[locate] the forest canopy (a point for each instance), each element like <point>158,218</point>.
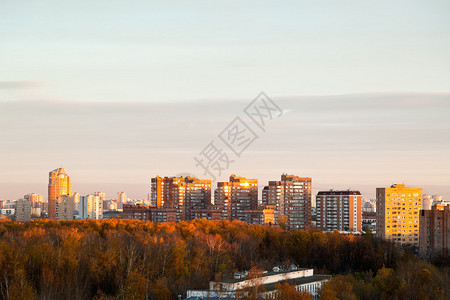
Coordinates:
<point>129,259</point>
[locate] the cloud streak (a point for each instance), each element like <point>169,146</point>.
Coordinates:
<point>350,140</point>
<point>19,85</point>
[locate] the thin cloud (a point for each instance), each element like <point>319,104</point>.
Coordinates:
<point>15,85</point>
<point>351,139</point>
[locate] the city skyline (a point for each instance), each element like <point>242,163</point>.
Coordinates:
<point>214,185</point>
<point>207,149</point>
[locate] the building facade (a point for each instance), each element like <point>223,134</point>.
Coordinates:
<point>149,213</point>
<point>91,207</point>
<point>436,198</point>
<point>369,205</point>
<point>184,199</point>
<point>303,280</point>
<point>237,196</point>
<point>136,212</point>
<point>65,205</point>
<point>183,194</point>
<point>197,196</point>
<point>212,213</point>
<point>263,215</point>
<point>434,228</point>
<point>121,199</point>
<point>76,200</point>
<point>339,210</point>
<point>37,203</point>
<point>398,214</point>
<point>102,195</point>
<point>58,185</point>
<point>291,197</point>
<point>427,201</point>
<point>23,210</point>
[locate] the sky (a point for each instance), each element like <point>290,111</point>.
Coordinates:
<point>120,91</point>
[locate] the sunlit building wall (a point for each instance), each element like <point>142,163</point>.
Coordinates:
<point>58,185</point>
<point>427,201</point>
<point>236,196</point>
<point>121,199</point>
<point>76,200</point>
<point>37,203</point>
<point>183,194</point>
<point>91,207</point>
<point>398,213</point>
<point>291,197</point>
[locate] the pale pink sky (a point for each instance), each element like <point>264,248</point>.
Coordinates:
<point>120,91</point>
<point>350,141</point>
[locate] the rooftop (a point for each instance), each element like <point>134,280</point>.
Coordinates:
<point>298,281</point>
<point>331,192</point>
<point>264,274</point>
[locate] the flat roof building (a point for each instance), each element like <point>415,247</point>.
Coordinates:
<point>183,194</point>
<point>398,214</point>
<point>23,210</point>
<point>291,197</point>
<point>237,196</point>
<point>58,185</point>
<point>64,208</point>
<point>302,279</point>
<point>434,228</point>
<point>338,210</point>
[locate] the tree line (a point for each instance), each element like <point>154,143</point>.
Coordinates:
<point>130,259</point>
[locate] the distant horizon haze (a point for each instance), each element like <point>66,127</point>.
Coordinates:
<point>351,141</point>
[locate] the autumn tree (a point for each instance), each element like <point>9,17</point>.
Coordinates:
<point>286,291</point>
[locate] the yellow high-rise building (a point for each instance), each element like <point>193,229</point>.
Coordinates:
<point>398,213</point>
<point>58,185</point>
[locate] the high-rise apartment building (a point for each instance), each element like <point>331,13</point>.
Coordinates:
<point>23,210</point>
<point>91,207</point>
<point>184,194</point>
<point>427,201</point>
<point>369,205</point>
<point>58,185</point>
<point>167,191</point>
<point>198,196</point>
<point>265,195</point>
<point>291,197</point>
<point>33,197</point>
<point>121,199</point>
<point>83,206</point>
<point>37,203</point>
<point>236,196</point>
<point>339,210</point>
<point>434,228</point>
<point>102,195</point>
<point>76,200</point>
<point>436,198</point>
<point>64,208</point>
<point>398,213</point>
<point>187,198</point>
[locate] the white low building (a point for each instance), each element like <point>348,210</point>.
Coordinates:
<point>301,279</point>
